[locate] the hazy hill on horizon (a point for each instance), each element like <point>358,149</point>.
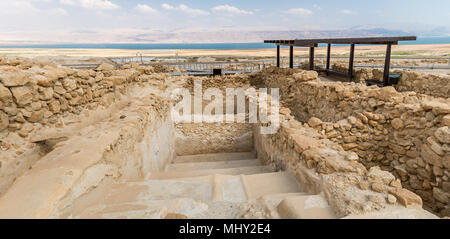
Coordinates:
<point>226,35</point>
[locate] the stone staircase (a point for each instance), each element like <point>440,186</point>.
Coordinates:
<point>204,186</point>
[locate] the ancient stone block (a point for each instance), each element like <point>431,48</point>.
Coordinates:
<point>400,169</point>
<point>446,161</point>
<point>5,95</point>
<point>59,89</point>
<point>436,105</point>
<point>364,185</point>
<point>378,187</point>
<point>350,146</point>
<point>376,175</point>
<point>440,195</point>
<point>54,106</point>
<point>446,120</point>
<point>306,76</point>
<point>397,123</point>
<point>389,94</point>
<point>116,80</point>
<point>105,67</point>
<point>391,199</point>
<point>4,121</point>
<point>350,139</point>
<point>23,95</point>
<point>446,187</point>
<point>45,81</point>
<point>314,122</point>
<point>407,198</point>
<point>303,143</point>
<point>46,93</point>
<point>15,78</point>
<point>36,116</point>
<point>69,84</point>
<point>396,183</point>
<point>430,156</point>
<point>443,134</point>
<point>36,106</point>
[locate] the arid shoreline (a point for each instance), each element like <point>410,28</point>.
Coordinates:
<point>434,50</point>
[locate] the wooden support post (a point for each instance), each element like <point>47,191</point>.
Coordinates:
<point>352,58</point>
<point>278,55</point>
<point>328,57</point>
<point>311,58</point>
<point>387,65</point>
<point>291,57</point>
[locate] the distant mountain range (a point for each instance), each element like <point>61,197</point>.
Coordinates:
<point>224,35</point>
<point>256,36</point>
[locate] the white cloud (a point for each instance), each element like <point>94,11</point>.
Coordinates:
<point>317,7</point>
<point>92,4</point>
<point>18,7</point>
<point>167,6</point>
<point>27,8</point>
<point>144,8</point>
<point>347,12</point>
<point>299,11</point>
<point>58,12</point>
<point>231,10</point>
<point>68,2</point>
<point>185,9</point>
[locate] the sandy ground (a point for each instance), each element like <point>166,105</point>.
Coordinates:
<point>437,50</point>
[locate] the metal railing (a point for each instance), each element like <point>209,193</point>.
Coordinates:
<point>236,67</point>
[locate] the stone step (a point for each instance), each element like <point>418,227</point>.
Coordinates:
<point>118,197</point>
<point>272,201</point>
<point>193,197</point>
<point>213,165</point>
<point>259,185</point>
<point>305,207</point>
<point>154,209</point>
<point>275,199</point>
<point>214,157</point>
<point>205,172</point>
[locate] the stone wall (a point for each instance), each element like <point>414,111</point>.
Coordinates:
<point>203,138</point>
<point>324,167</point>
<point>38,92</point>
<point>404,133</point>
<point>428,84</point>
<point>132,144</point>
<point>129,142</point>
<point>41,104</point>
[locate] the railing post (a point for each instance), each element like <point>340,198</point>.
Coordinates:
<point>291,57</point>
<point>387,65</point>
<point>352,58</point>
<point>328,58</point>
<point>311,58</point>
<point>278,56</point>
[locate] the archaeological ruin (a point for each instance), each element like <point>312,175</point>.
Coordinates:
<point>102,143</point>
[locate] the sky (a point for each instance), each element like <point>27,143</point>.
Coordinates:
<point>27,20</point>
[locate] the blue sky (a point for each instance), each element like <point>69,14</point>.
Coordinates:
<point>24,19</point>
